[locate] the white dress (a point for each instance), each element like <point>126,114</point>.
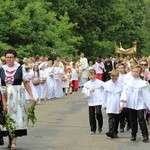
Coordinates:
<point>29,76</point>
<point>38,86</point>
<point>50,82</point>
<point>58,89</point>
<point>66,82</point>
<point>43,76</point>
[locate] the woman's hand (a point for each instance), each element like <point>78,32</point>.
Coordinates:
<point>32,101</point>
<point>5,108</point>
<point>4,103</point>
<point>120,109</point>
<point>92,90</point>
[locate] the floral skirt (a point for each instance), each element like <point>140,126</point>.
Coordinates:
<point>17,109</point>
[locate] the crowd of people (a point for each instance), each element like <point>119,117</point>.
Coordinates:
<point>124,94</point>
<point>120,85</point>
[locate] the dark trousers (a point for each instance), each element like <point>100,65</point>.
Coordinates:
<point>124,118</point>
<point>107,76</point>
<point>95,113</point>
<point>135,117</point>
<point>113,121</point>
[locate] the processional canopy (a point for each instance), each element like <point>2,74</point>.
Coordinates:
<point>129,51</point>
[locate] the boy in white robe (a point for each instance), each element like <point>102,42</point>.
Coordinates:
<point>93,90</point>
<point>111,101</point>
<point>135,96</point>
<point>124,118</point>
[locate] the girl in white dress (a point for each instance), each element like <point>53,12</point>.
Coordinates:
<point>36,80</point>
<point>50,80</point>
<point>44,86</point>
<point>58,89</point>
<point>66,80</point>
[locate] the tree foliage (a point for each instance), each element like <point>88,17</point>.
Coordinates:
<point>146,29</point>
<point>102,23</point>
<point>32,28</point>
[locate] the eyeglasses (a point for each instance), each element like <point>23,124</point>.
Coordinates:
<point>9,57</point>
<point>143,64</point>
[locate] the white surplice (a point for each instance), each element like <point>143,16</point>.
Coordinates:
<point>136,93</point>
<point>94,98</point>
<point>112,93</point>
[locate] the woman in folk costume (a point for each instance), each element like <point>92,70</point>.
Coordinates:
<point>12,77</point>
<point>93,90</point>
<point>50,80</point>
<point>135,96</point>
<point>84,69</point>
<point>111,102</point>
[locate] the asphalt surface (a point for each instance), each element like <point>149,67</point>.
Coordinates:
<point>62,124</point>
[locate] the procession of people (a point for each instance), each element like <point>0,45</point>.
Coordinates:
<point>119,85</point>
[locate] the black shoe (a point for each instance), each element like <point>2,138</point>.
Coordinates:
<point>128,128</point>
<point>133,138</point>
<point>110,135</point>
<point>145,138</point>
<point>115,135</point>
<point>99,130</point>
<point>1,141</point>
<point>121,129</point>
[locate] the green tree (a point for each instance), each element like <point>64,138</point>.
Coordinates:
<point>146,29</point>
<point>31,27</point>
<point>102,22</point>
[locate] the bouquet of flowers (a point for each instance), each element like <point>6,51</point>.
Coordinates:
<point>10,125</point>
<point>31,114</point>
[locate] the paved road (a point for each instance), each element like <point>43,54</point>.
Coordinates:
<point>63,125</point>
